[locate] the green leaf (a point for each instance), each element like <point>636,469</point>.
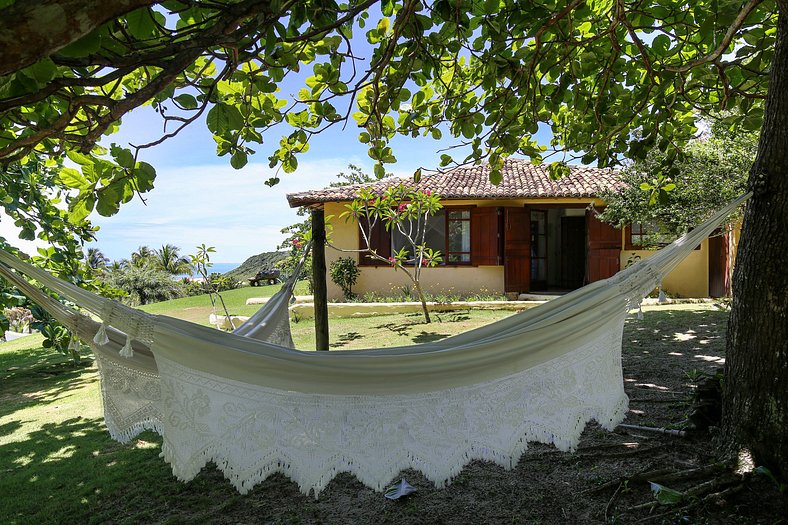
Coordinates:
<point>122,156</point>
<point>42,71</point>
<point>140,24</point>
<point>144,175</point>
<point>81,207</point>
<point>380,171</point>
<point>417,175</point>
<point>239,159</point>
<point>665,495</point>
<point>187,101</point>
<point>660,45</point>
<point>222,118</point>
<point>87,45</point>
<point>72,178</point>
<point>79,158</point>
<point>109,198</point>
<point>496,177</point>
<point>557,170</point>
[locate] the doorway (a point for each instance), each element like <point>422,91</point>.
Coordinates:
<point>558,249</point>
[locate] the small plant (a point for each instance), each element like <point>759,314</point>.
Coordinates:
<point>19,318</point>
<point>344,273</point>
<point>201,261</point>
<point>404,212</point>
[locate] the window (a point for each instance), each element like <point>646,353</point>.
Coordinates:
<point>458,230</point>
<point>649,235</point>
<point>448,231</point>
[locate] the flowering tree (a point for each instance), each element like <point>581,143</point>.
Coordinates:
<point>404,212</point>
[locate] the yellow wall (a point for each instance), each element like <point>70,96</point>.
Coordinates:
<point>689,279</point>
<point>383,280</point>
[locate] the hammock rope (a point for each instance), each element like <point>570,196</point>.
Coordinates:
<point>255,407</point>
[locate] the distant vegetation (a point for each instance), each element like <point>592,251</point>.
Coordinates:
<point>254,264</point>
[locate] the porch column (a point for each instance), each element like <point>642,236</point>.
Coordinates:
<point>320,293</point>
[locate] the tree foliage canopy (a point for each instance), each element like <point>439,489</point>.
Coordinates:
<point>607,77</point>
<point>713,174</point>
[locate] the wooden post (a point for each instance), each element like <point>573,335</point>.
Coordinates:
<point>319,279</point>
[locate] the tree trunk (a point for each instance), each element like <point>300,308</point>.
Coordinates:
<point>755,399</point>
<point>423,302</point>
<point>319,279</point>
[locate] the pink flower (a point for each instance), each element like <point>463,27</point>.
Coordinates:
<point>427,193</point>
<point>297,243</point>
<point>402,207</point>
<point>392,260</point>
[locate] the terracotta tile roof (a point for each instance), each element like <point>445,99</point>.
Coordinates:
<point>521,179</point>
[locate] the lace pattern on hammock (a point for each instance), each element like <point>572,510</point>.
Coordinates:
<point>131,398</point>
<point>252,432</point>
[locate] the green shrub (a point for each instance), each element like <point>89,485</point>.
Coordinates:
<point>344,273</point>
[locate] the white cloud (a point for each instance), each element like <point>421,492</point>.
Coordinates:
<point>232,210</point>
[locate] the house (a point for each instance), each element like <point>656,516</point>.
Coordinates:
<point>528,234</point>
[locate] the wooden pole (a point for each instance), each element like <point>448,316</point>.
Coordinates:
<point>319,279</point>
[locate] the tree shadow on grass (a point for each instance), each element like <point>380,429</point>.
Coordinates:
<point>428,337</point>
<point>43,381</point>
<point>345,339</point>
<point>664,356</point>
<point>57,473</point>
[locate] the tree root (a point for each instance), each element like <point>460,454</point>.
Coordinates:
<point>666,475</point>
<point>714,491</point>
<point>676,400</point>
<point>624,454</point>
<point>660,430</point>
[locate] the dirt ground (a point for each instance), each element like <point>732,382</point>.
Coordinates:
<point>665,356</point>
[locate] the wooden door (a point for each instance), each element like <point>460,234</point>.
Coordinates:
<point>604,249</point>
<point>573,251</point>
<point>517,248</point>
<point>719,273</point>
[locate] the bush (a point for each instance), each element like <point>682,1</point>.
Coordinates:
<point>19,318</point>
<point>344,273</point>
<point>145,285</point>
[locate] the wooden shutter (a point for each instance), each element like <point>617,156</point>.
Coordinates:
<point>719,269</point>
<point>379,240</point>
<point>604,249</point>
<point>486,236</point>
<point>517,250</point>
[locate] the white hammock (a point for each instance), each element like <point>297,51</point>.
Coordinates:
<point>255,408</point>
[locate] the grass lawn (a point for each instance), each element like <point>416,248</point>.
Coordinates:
<point>197,308</point>
<point>59,465</point>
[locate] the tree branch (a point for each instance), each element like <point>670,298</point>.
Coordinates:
<point>34,29</point>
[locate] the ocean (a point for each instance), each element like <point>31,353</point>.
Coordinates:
<point>223,267</point>
<point>220,268</point>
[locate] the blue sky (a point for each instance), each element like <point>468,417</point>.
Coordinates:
<point>198,198</point>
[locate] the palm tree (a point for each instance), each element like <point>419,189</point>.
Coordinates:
<point>169,259</point>
<point>96,259</point>
<point>142,257</point>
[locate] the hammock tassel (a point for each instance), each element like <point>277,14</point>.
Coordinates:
<point>101,337</point>
<point>73,345</point>
<point>127,351</point>
<point>640,313</point>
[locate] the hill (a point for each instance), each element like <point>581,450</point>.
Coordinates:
<point>254,264</point>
